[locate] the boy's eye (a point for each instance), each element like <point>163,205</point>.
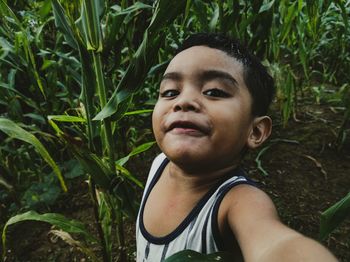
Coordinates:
<point>216,93</point>
<point>169,93</point>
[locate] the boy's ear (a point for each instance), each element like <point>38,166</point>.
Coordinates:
<point>261,130</point>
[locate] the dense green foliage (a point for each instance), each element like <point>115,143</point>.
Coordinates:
<point>78,77</point>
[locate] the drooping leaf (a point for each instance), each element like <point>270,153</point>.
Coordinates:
<point>66,118</point>
<point>136,151</point>
<point>66,237</point>
<point>333,216</point>
<point>58,220</point>
<point>15,131</point>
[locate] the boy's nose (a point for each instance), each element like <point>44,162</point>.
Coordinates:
<point>187,102</point>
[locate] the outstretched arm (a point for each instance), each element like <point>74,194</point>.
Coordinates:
<point>253,219</point>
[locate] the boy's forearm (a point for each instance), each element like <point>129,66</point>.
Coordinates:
<point>297,248</point>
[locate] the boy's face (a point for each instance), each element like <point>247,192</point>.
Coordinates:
<point>202,119</point>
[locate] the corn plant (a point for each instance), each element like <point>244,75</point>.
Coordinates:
<point>25,98</point>
<point>110,183</point>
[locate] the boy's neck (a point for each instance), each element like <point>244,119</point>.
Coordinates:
<point>195,181</point>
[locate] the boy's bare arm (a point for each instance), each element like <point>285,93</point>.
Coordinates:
<point>262,237</point>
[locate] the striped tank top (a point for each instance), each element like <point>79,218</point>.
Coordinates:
<point>199,231</point>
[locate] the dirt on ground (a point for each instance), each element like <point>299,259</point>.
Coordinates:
<point>305,174</point>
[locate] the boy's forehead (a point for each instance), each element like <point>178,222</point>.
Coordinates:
<point>204,58</point>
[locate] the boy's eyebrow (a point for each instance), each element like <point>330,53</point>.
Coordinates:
<point>217,74</point>
<point>205,76</point>
<point>172,76</point>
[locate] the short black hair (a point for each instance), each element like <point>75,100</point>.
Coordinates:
<point>258,81</point>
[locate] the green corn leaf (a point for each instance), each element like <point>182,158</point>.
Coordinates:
<point>87,90</point>
<point>201,13</point>
<point>45,9</point>
<point>23,35</point>
<point>106,216</point>
<point>92,164</point>
<point>165,12</point>
<point>215,19</point>
<point>6,11</point>
<point>333,216</point>
<point>288,21</point>
<point>344,13</point>
<point>4,85</point>
<point>138,112</point>
<point>68,225</point>
<point>6,48</point>
<point>142,148</point>
<point>4,183</point>
<point>66,118</point>
<point>55,127</point>
<point>63,118</point>
<point>267,6</point>
<point>125,173</point>
<point>125,194</point>
<point>15,131</point>
<point>62,23</point>
<point>135,8</point>
<point>190,255</point>
<point>117,19</point>
<point>133,77</point>
<point>36,117</point>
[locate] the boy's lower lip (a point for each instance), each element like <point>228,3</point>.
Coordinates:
<point>186,131</point>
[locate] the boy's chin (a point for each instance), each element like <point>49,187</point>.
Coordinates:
<point>191,162</point>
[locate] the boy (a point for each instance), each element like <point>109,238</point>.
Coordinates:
<point>212,107</point>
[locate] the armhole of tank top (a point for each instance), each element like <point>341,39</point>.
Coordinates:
<point>214,220</point>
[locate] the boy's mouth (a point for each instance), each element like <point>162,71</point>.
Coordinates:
<point>187,127</point>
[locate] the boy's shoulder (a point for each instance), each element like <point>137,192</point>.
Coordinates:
<point>248,198</point>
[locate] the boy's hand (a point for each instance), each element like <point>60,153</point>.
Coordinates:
<point>253,219</point>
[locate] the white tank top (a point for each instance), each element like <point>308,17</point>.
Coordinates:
<point>199,231</point>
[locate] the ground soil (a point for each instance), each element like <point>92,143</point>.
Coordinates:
<point>306,175</point>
